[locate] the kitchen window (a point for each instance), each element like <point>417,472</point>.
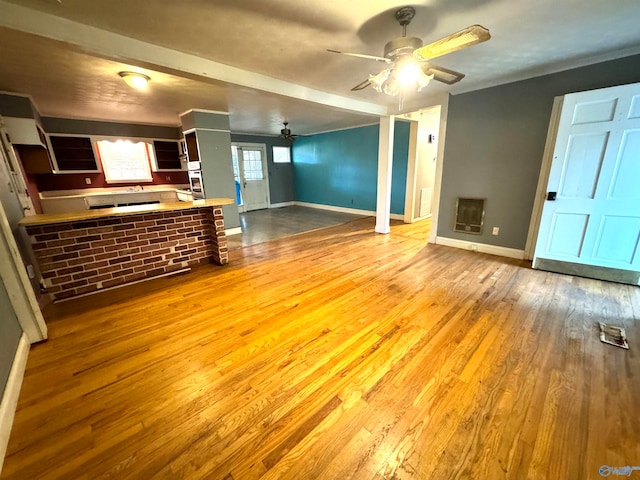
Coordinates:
<point>124,161</point>
<point>281,155</point>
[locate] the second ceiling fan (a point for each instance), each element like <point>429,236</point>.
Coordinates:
<point>410,61</point>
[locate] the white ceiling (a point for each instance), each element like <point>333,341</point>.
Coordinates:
<point>265,61</point>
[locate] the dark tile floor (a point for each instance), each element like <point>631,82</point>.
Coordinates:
<point>263,225</point>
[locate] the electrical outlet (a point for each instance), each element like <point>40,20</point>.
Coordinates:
<point>473,247</point>
<point>87,180</point>
<point>495,231</point>
<point>168,177</point>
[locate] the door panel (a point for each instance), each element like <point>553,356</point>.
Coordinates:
<point>634,110</point>
<point>582,165</point>
<point>595,170</point>
<point>253,179</point>
<point>624,184</point>
<point>594,112</point>
<point>617,240</point>
<point>567,234</point>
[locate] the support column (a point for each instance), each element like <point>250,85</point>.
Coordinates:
<point>385,162</point>
<point>219,238</point>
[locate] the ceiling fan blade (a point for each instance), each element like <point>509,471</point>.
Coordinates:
<point>441,74</point>
<point>454,42</point>
<point>359,55</point>
<point>361,86</point>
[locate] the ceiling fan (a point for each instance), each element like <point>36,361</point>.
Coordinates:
<point>410,61</point>
<point>286,133</point>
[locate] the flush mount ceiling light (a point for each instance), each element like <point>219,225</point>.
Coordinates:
<point>135,80</point>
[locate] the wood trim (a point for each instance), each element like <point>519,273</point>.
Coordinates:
<point>11,394</point>
<point>543,179</point>
<point>412,160</point>
<point>354,211</point>
<point>18,287</point>
<point>481,247</point>
<point>233,231</point>
<point>437,183</point>
<point>282,204</point>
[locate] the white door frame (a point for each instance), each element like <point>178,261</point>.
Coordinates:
<point>412,163</point>
<point>443,103</point>
<point>265,169</point>
<point>17,177</point>
<point>543,179</point>
<point>13,271</point>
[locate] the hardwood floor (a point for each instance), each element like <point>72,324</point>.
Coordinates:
<point>336,354</point>
<point>260,226</point>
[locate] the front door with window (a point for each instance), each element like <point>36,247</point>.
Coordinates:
<point>250,169</point>
<point>590,222</point>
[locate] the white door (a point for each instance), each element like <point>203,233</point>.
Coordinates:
<point>594,219</point>
<point>252,171</point>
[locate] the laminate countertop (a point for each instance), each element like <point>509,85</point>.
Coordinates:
<point>54,218</point>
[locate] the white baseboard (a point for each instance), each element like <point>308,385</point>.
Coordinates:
<point>11,393</point>
<point>282,204</point>
<point>354,211</point>
<point>333,208</point>
<point>481,247</point>
<point>233,231</point>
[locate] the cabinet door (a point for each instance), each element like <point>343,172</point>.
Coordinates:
<point>35,159</point>
<point>167,155</point>
<point>73,154</point>
<point>192,147</point>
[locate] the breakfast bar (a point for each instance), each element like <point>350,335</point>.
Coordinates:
<point>85,252</point>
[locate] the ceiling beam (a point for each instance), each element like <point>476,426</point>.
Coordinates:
<point>119,48</point>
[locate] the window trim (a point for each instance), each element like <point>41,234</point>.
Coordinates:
<point>150,158</point>
<point>273,153</point>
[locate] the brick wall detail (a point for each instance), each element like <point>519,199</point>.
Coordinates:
<point>86,256</point>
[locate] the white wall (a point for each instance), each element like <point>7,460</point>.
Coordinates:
<point>428,124</point>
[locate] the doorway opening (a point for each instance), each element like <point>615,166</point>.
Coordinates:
<point>250,175</point>
<point>424,167</point>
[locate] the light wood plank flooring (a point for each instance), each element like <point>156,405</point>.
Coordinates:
<point>336,354</point>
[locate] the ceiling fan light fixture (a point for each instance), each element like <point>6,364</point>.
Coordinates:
<point>408,72</point>
<point>378,80</point>
<point>406,76</point>
<point>135,80</point>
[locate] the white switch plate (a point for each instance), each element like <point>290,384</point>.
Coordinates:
<point>87,180</point>
<point>495,231</point>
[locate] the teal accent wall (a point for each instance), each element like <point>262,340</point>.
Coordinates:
<point>400,165</point>
<point>341,168</point>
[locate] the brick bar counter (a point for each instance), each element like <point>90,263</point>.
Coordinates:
<point>84,252</point>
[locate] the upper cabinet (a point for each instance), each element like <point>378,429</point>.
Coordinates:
<point>73,154</point>
<point>192,146</point>
<point>24,131</point>
<point>30,144</point>
<point>168,155</point>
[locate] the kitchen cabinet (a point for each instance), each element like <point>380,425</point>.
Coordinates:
<point>92,201</point>
<point>35,159</point>
<point>167,155</point>
<point>24,131</point>
<point>73,154</point>
<point>192,147</point>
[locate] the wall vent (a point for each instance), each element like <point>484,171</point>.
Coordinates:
<point>469,215</point>
<point>425,202</point>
